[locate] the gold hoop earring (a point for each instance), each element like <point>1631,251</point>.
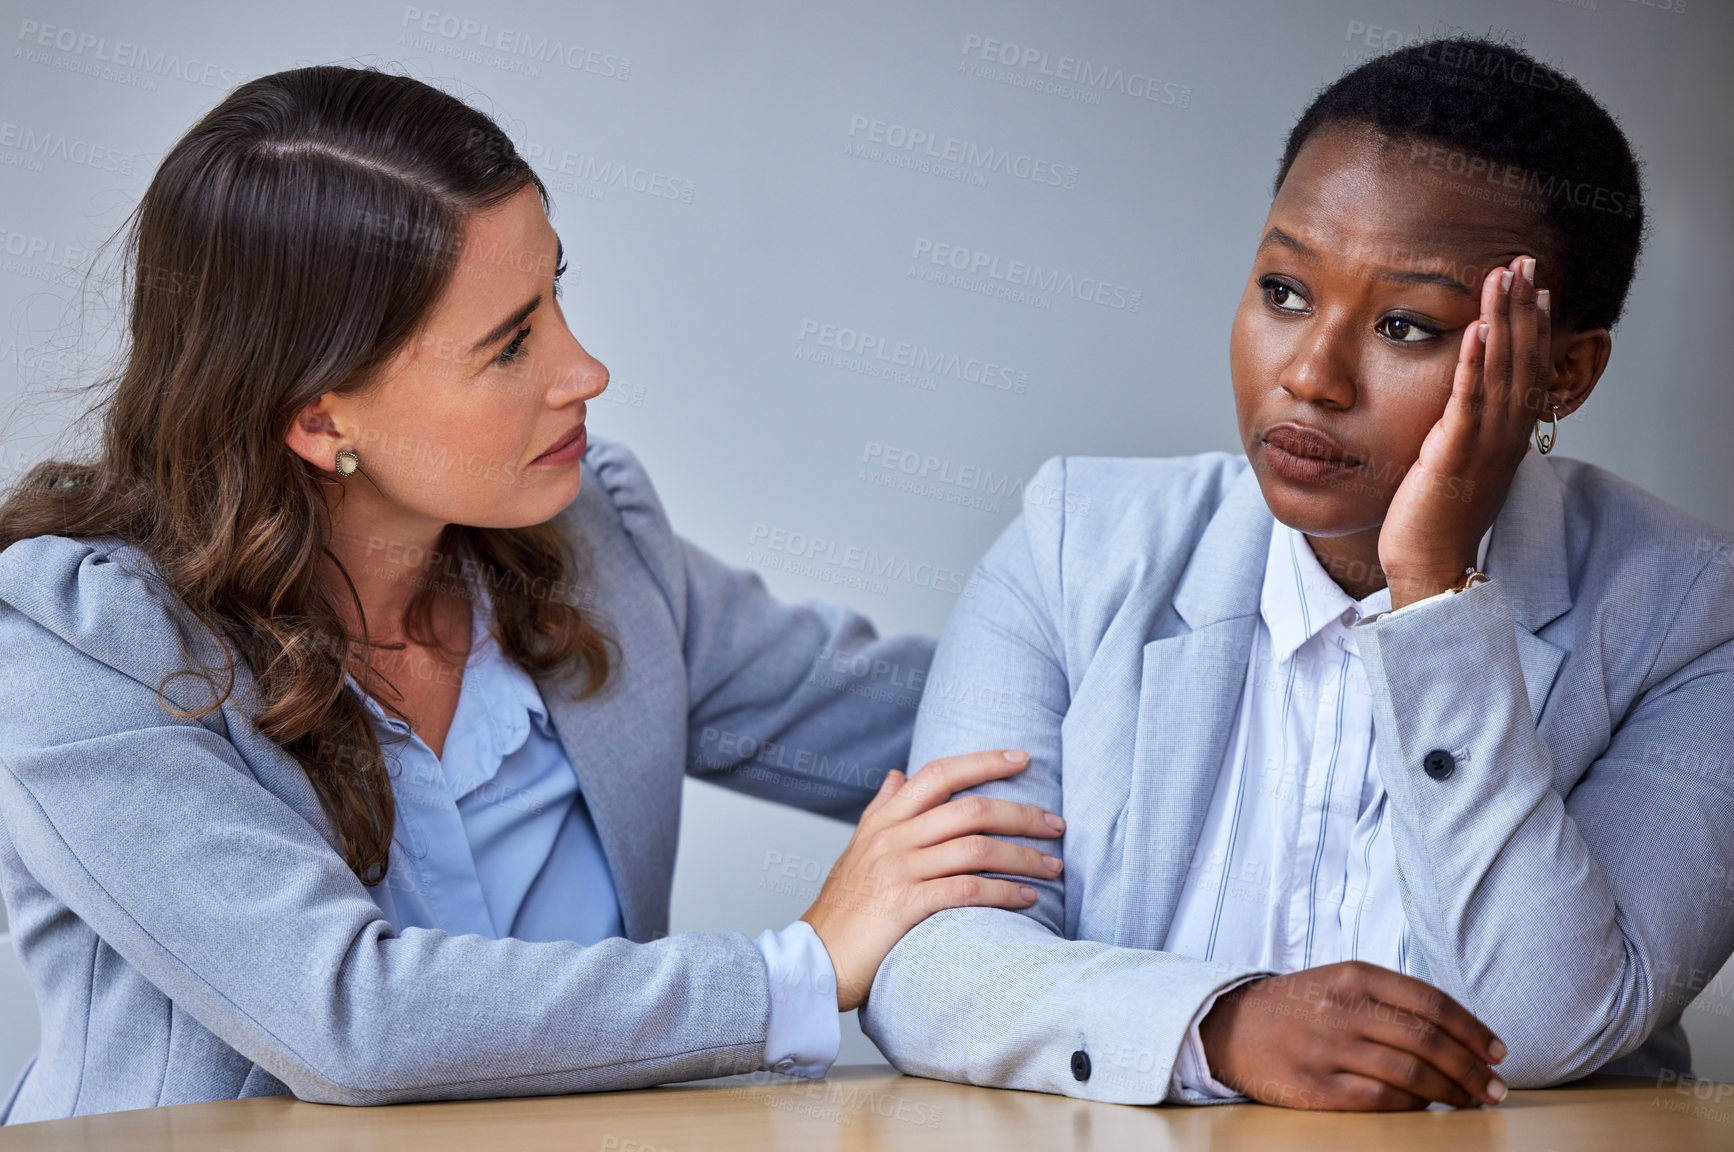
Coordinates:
<point>347,463</point>
<point>1544,444</point>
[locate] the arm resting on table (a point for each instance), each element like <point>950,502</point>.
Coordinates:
<point>155,833</point>
<point>1002,998</point>
<point>1558,921</point>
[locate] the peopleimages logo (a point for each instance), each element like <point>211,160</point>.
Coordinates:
<point>826,559</point>
<point>966,154</point>
<point>37,143</point>
<point>86,51</point>
<point>39,358</point>
<point>918,358</point>
<point>40,258</point>
<point>590,175</point>
<point>514,42</point>
<point>1071,70</point>
<point>1529,188</point>
<point>951,482</point>
<point>974,270</point>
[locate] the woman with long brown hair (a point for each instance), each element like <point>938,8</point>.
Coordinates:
<point>350,688</point>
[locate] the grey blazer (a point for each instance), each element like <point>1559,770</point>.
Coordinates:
<point>188,924</point>
<point>1567,882</point>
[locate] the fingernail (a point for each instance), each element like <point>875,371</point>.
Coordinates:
<point>1016,756</point>
<point>1057,823</point>
<point>1528,267</point>
<point>1504,279</point>
<point>1496,1089</point>
<point>1481,332</point>
<point>1028,893</point>
<point>1052,863</point>
<point>1543,299</point>
<point>1497,1051</point>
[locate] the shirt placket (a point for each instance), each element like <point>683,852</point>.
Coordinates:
<point>434,830</point>
<point>1322,836</point>
<point>1372,916</point>
<point>1296,731</point>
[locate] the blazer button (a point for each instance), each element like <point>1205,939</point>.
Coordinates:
<point>1080,1065</point>
<point>1439,764</point>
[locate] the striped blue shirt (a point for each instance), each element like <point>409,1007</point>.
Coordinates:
<point>1295,865</point>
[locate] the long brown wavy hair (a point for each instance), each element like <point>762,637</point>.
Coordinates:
<point>291,242</point>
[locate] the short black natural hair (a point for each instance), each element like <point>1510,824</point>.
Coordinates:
<point>1519,126</point>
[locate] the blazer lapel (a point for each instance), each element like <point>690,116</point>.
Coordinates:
<point>1192,680</point>
<point>634,845</point>
<point>1188,699</point>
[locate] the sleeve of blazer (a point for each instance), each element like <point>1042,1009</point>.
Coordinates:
<point>154,832</point>
<point>801,704</point>
<point>1571,924</point>
<point>1002,998</point>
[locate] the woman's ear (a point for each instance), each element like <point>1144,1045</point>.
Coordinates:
<point>1578,360</point>
<point>314,435</point>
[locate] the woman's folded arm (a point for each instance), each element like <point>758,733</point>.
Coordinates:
<point>1566,924</point>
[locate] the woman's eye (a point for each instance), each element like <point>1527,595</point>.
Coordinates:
<point>1403,330</point>
<point>559,272</point>
<point>510,352</point>
<point>1282,296</point>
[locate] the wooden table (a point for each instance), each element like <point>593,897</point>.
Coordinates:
<point>858,1109</point>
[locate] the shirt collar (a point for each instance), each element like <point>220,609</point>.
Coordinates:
<point>1299,599</point>
<point>496,708</point>
<point>497,704</point>
<point>510,686</point>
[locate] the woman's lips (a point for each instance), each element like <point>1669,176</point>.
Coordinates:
<point>1305,455</point>
<point>566,449</point>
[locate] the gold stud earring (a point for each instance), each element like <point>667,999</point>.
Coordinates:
<point>1544,443</point>
<point>347,463</point>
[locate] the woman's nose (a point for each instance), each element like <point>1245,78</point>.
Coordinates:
<point>580,378</point>
<point>1321,369</point>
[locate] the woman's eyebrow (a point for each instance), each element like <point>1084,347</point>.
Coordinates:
<point>1282,239</point>
<point>499,331</point>
<point>505,327</point>
<point>1396,276</point>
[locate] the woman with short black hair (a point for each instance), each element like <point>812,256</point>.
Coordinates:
<point>1395,750</point>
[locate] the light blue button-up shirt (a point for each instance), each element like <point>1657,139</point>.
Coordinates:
<point>493,838</point>
<point>1295,864</point>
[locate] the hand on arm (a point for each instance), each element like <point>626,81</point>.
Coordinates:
<point>917,851</point>
<point>1351,1037</point>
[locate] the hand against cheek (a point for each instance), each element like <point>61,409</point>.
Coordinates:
<point>1458,483</point>
<point>1351,1037</point>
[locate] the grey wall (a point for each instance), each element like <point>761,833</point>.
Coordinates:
<point>739,216</point>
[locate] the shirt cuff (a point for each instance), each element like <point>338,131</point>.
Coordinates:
<point>1191,1080</point>
<point>1424,600</point>
<point>1480,564</point>
<point>1368,621</point>
<point>803,1034</point>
